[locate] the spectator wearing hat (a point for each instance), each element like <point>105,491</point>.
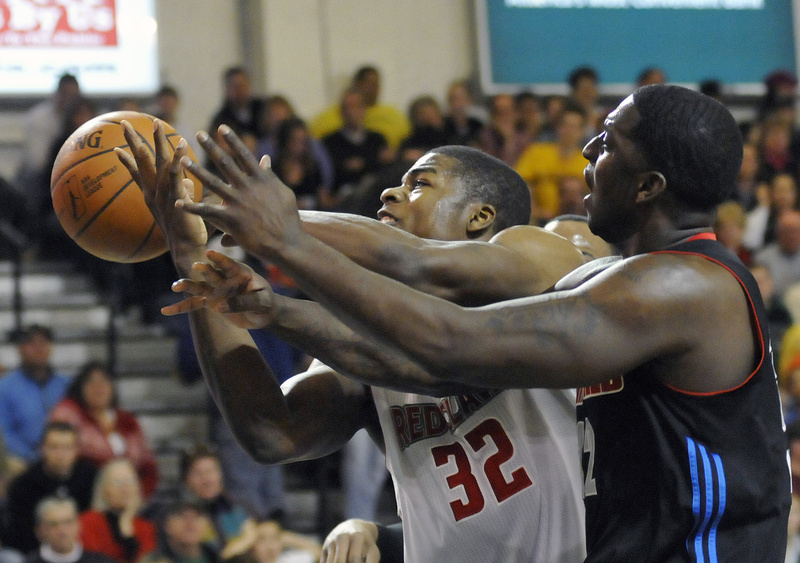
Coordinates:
<point>28,394</point>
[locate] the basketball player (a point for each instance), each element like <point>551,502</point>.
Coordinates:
<point>479,477</point>
<point>684,454</point>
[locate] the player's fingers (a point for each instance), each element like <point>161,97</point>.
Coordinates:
<point>373,554</point>
<point>341,549</point>
<point>184,306</point>
<point>359,552</point>
<point>227,266</point>
<point>192,287</point>
<point>128,162</point>
<point>211,181</point>
<point>135,144</point>
<point>224,161</point>
<point>163,153</point>
<point>217,215</point>
<point>266,162</point>
<point>243,156</point>
<point>328,553</point>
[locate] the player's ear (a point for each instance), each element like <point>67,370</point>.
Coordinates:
<point>481,217</point>
<point>651,184</point>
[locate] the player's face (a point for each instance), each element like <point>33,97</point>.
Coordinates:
<point>614,175</point>
<point>429,203</point>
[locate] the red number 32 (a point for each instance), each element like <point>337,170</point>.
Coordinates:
<point>502,489</point>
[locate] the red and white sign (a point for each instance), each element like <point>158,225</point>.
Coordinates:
<point>58,23</point>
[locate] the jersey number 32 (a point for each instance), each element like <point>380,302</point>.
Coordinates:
<point>465,477</point>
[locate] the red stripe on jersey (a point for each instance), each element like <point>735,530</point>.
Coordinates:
<point>761,343</point>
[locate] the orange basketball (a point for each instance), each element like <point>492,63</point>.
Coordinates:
<point>94,197</point>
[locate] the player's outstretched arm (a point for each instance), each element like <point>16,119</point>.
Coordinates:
<point>233,289</point>
<point>517,262</point>
<point>612,324</point>
<point>319,411</point>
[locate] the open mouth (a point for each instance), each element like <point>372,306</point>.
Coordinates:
<point>386,217</point>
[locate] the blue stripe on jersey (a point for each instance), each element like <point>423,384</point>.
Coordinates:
<point>712,474</point>
<point>712,535</point>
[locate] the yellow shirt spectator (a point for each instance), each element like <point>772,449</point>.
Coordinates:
<point>543,166</point>
<point>386,120</point>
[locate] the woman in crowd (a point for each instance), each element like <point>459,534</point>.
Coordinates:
<point>113,526</point>
<point>106,431</point>
<point>295,165</point>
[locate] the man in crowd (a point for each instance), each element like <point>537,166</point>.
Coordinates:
<point>58,529</point>
<point>28,394</point>
<point>58,473</point>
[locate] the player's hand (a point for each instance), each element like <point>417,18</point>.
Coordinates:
<point>352,541</point>
<point>228,287</point>
<point>259,211</point>
<point>162,183</point>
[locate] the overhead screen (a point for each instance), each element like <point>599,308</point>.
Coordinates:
<point>538,42</point>
<point>110,45</point>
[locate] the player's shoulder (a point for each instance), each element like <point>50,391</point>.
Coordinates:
<point>528,234</point>
<point>537,242</point>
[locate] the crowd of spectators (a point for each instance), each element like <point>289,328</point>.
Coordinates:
<point>80,483</point>
<point>59,432</point>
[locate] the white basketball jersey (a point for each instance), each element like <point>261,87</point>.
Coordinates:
<point>488,477</point>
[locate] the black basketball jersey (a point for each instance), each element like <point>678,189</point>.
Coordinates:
<point>677,476</point>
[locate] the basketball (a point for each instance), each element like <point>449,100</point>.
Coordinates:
<point>95,199</point>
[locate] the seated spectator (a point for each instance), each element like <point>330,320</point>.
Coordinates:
<point>500,137</point>
<point>460,127</point>
<point>58,529</point>
<point>584,90</point>
<point>775,148</point>
<point>782,257</point>
<point>529,115</point>
<point>106,431</point>
<point>778,315</point>
<point>182,528</point>
<point>58,473</point>
<point>354,150</point>
<point>772,199</point>
<point>294,164</point>
<point>277,110</point>
<point>729,228</point>
<point>747,182</point>
<point>383,118</point>
<point>427,125</point>
<point>201,475</point>
<point>113,526</point>
<point>267,542</point>
<point>28,394</point>
<point>553,106</point>
<point>544,165</point>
